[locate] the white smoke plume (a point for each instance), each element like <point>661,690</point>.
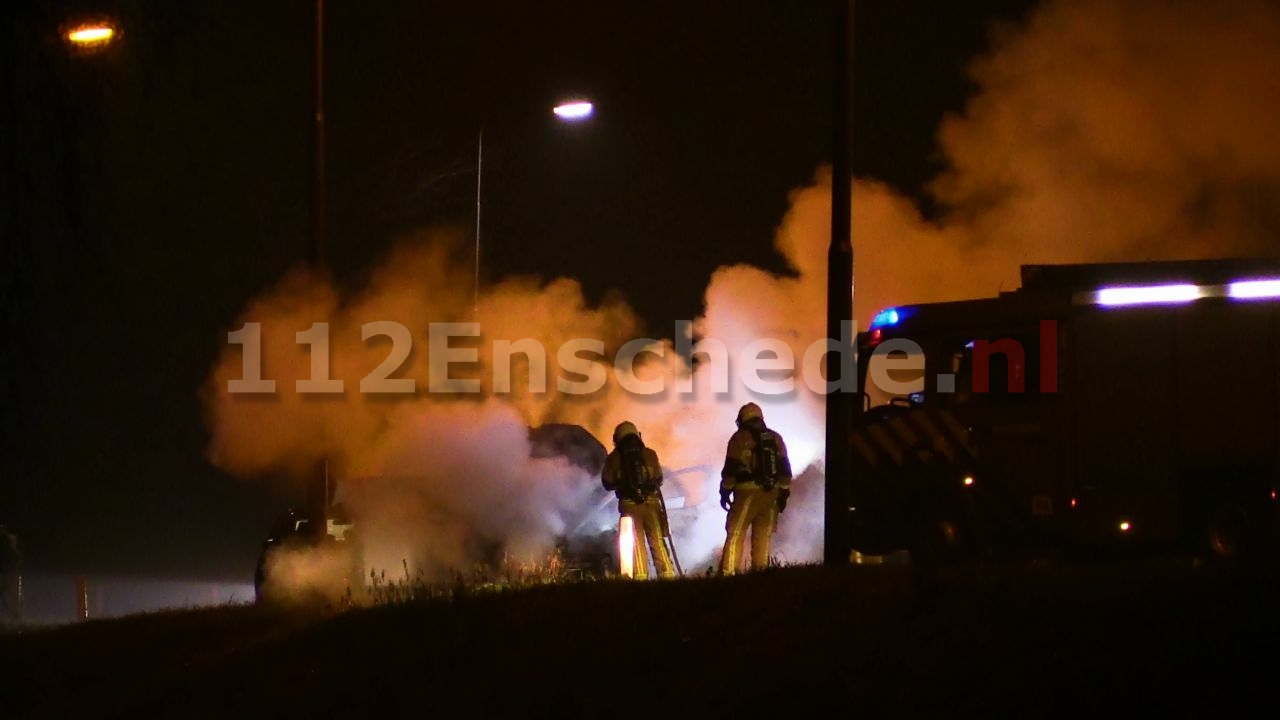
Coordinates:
<point>1101,131</point>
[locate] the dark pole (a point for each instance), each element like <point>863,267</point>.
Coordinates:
<point>318,484</point>
<point>475,303</point>
<point>317,229</point>
<point>840,403</point>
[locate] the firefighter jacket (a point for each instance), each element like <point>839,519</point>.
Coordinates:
<point>632,477</point>
<point>741,463</point>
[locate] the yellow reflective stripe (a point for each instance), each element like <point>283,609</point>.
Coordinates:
<point>737,528</point>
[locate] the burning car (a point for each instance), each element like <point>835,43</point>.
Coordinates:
<point>586,547</point>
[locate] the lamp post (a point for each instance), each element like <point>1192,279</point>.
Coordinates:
<point>317,485</point>
<point>318,187</point>
<point>576,110</point>
<point>840,404</point>
<point>475,300</point>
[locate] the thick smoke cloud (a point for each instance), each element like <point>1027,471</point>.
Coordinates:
<point>439,480</point>
<point>1101,131</point>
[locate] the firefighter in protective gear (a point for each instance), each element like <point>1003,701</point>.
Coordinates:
<point>755,484</point>
<point>633,473</point>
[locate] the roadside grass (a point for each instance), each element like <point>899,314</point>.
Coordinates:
<point>1040,640</point>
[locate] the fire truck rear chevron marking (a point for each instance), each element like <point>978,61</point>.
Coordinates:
<point>940,442</point>
<point>881,438</point>
<point>913,436</point>
<point>864,448</point>
<point>902,429</point>
<point>958,431</point>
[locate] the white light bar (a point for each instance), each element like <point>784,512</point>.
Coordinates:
<point>1169,294</point>
<point>1254,289</point>
<point>1149,295</point>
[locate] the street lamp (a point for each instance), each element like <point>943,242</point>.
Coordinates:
<point>573,111</point>
<point>569,111</point>
<point>91,34</point>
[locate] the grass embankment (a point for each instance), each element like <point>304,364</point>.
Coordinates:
<point>878,641</point>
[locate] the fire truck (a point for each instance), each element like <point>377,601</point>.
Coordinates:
<point>1098,407</point>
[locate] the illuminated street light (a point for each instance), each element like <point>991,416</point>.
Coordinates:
<point>572,111</point>
<point>91,34</point>
<point>576,110</point>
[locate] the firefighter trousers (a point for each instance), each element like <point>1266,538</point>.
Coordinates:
<point>646,518</point>
<point>754,509</point>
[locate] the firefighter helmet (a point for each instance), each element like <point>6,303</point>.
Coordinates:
<point>623,430</point>
<point>750,411</point>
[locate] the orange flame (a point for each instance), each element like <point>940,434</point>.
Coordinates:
<point>626,546</point>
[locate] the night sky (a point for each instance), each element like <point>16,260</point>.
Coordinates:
<point>151,190</point>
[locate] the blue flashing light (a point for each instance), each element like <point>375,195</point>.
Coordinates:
<point>888,316</point>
